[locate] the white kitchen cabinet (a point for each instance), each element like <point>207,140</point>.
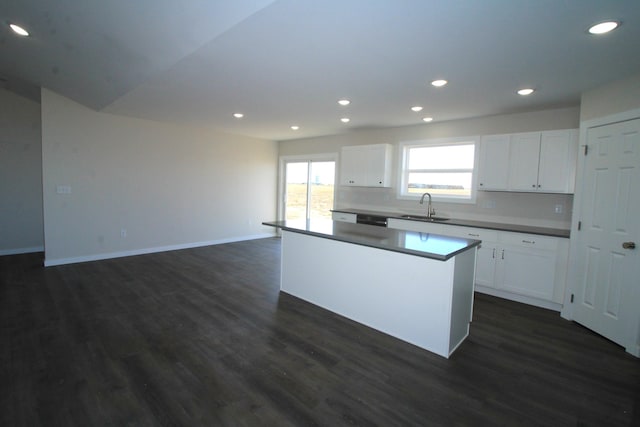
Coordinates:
<point>524,154</point>
<point>529,268</point>
<point>526,270</point>
<point>344,216</point>
<point>542,162</point>
<point>486,257</point>
<point>531,265</point>
<point>366,165</point>
<point>494,162</point>
<point>558,159</point>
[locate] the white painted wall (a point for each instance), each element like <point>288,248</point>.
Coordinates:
<point>518,208</point>
<point>169,186</point>
<point>616,97</point>
<point>21,228</point>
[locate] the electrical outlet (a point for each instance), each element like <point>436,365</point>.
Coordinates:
<point>489,204</point>
<point>63,189</point>
<point>123,233</point>
<point>559,209</point>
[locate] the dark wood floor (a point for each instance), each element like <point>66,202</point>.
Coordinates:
<point>203,337</point>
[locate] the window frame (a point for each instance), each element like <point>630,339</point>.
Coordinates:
<point>403,172</point>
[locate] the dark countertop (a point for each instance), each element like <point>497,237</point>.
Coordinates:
<point>426,245</point>
<point>544,231</point>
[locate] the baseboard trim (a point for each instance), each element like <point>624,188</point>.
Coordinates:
<point>19,251</point>
<point>520,298</point>
<point>144,251</point>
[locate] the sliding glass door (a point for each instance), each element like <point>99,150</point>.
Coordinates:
<point>307,188</point>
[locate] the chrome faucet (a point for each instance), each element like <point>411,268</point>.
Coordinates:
<point>430,210</point>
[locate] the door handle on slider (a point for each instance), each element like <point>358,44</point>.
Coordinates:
<point>629,245</point>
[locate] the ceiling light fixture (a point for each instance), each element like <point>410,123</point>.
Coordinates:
<point>19,30</point>
<point>603,27</point>
<point>238,115</point>
<point>416,108</point>
<point>344,102</point>
<point>294,127</point>
<point>345,120</point>
<point>427,119</point>
<point>525,92</point>
<point>439,83</point>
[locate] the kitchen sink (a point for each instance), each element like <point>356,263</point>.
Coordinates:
<point>426,218</point>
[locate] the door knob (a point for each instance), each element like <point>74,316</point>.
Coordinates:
<point>629,245</point>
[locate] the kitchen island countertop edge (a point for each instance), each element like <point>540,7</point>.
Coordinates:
<point>427,245</point>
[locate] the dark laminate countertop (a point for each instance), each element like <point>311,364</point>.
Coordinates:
<point>426,245</point>
<point>544,231</point>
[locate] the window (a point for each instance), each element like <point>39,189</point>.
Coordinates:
<point>443,169</point>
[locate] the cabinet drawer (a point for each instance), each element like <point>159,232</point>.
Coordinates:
<point>342,216</point>
<point>532,241</point>
<point>472,233</point>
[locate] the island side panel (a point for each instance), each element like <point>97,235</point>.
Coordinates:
<point>462,300</point>
<point>406,296</point>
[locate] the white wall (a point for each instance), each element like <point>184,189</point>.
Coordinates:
<point>20,175</point>
<point>616,97</point>
<point>519,208</point>
<point>169,186</point>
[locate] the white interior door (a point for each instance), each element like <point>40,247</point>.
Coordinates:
<point>607,288</point>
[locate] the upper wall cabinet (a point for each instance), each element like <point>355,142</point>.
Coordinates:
<point>366,165</point>
<point>494,162</point>
<point>542,162</point>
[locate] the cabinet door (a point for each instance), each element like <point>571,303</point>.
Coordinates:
<point>352,166</point>
<point>378,159</point>
<point>486,264</point>
<point>524,157</point>
<point>366,165</point>
<point>494,162</point>
<point>526,271</point>
<point>558,157</point>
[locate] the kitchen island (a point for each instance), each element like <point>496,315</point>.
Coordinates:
<point>417,287</point>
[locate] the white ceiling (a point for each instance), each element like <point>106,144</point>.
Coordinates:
<point>286,62</point>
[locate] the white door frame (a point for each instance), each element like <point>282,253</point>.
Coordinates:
<point>572,274</point>
<point>283,160</point>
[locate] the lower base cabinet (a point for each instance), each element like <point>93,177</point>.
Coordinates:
<point>524,267</point>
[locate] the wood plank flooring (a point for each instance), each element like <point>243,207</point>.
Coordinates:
<point>203,337</point>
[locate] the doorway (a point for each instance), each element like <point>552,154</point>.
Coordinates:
<point>307,187</point>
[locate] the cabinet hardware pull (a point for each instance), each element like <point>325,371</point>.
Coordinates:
<point>474,235</point>
<point>629,245</point>
<point>503,254</point>
<point>494,252</point>
<point>534,186</point>
<point>529,241</point>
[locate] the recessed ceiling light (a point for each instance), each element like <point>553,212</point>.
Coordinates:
<point>19,30</point>
<point>604,27</point>
<point>294,127</point>
<point>439,83</point>
<point>427,119</point>
<point>344,102</point>
<point>238,115</point>
<point>525,92</point>
<point>345,120</point>
<point>416,108</point>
